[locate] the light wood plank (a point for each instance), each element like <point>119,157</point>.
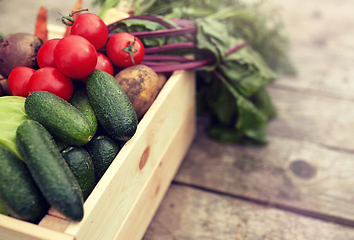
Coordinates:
<point>54,223</point>
<point>313,118</point>
<point>192,214</point>
<point>14,229</point>
<point>301,175</point>
<point>144,208</point>
<point>321,45</point>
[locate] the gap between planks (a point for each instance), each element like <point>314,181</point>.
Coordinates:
<point>302,212</point>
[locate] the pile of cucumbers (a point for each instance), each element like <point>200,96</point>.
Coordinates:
<point>66,148</point>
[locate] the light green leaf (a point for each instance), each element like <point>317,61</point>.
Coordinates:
<point>12,114</point>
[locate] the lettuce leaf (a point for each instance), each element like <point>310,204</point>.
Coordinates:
<point>12,114</point>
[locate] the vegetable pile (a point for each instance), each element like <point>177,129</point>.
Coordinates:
<point>69,104</point>
<point>69,110</point>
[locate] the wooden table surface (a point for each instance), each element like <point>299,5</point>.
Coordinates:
<point>299,186</point>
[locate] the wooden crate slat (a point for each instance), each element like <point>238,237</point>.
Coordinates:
<point>116,192</point>
<point>144,208</point>
<point>14,229</point>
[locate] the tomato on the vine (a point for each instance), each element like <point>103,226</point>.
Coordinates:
<point>75,56</point>
<point>91,27</point>
<point>52,80</point>
<point>125,50</point>
<point>18,80</point>
<point>45,56</point>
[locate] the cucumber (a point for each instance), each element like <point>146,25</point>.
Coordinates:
<point>65,122</point>
<point>80,163</point>
<point>19,194</point>
<point>103,151</point>
<point>112,106</point>
<point>81,101</point>
<point>49,169</point>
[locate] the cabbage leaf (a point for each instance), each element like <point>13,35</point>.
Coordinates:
<point>12,114</point>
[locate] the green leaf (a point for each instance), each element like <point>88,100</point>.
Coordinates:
<point>246,69</point>
<point>212,36</point>
<point>12,114</point>
<point>2,210</point>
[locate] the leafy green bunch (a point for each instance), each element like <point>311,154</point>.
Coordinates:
<point>238,49</point>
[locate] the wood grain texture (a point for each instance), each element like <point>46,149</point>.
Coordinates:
<point>313,118</point>
<point>293,174</point>
<point>321,45</point>
<point>144,208</point>
<point>14,229</point>
<point>193,214</point>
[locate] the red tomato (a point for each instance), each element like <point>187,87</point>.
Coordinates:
<point>18,80</point>
<point>75,56</point>
<point>91,27</point>
<point>103,63</point>
<point>125,50</point>
<point>45,56</point>
<point>51,80</point>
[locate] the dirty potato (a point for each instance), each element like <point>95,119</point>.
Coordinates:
<point>140,83</point>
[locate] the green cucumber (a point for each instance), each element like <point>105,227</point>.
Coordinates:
<point>103,150</point>
<point>49,169</point>
<point>80,163</point>
<point>65,122</point>
<point>19,194</point>
<point>112,106</point>
<point>81,101</point>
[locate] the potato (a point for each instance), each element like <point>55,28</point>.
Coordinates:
<point>18,49</point>
<point>162,78</point>
<point>140,83</point>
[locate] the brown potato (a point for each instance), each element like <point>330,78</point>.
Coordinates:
<point>162,78</point>
<point>140,83</point>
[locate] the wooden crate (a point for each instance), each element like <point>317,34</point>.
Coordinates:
<point>126,198</point>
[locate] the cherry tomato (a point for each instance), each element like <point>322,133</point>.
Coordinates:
<point>52,80</point>
<point>103,63</point>
<point>75,56</point>
<point>45,57</point>
<point>91,27</point>
<point>125,50</point>
<point>18,80</point>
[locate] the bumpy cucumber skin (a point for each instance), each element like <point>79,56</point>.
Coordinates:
<point>19,194</point>
<point>49,169</point>
<point>102,150</point>
<point>80,163</point>
<point>112,106</point>
<point>60,118</point>
<point>81,101</point>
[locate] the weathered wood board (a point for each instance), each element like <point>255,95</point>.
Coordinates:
<point>311,117</point>
<point>193,214</point>
<point>287,173</point>
<point>322,45</point>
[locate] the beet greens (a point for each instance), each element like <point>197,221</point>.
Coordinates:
<point>231,76</point>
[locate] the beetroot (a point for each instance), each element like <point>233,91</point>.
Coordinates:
<point>18,49</point>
